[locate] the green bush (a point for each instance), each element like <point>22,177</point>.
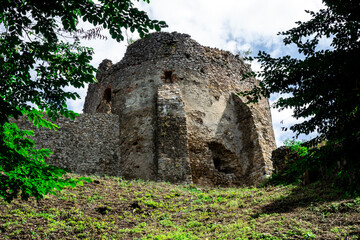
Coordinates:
<point>331,162</point>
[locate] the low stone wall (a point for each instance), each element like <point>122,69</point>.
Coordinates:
<point>87,145</point>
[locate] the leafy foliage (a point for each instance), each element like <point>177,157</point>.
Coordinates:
<point>296,146</point>
<point>23,169</point>
<point>330,162</point>
<point>322,87</point>
<point>36,65</point>
<point>293,162</point>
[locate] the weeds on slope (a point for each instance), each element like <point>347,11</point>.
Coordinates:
<point>113,208</point>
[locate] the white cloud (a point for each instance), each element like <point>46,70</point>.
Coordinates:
<point>228,24</point>
<point>283,120</point>
<point>210,23</point>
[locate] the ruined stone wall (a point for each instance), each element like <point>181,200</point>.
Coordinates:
<point>87,145</point>
<point>173,163</point>
<point>168,111</point>
<point>226,142</point>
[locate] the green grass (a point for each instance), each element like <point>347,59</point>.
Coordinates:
<point>112,208</point>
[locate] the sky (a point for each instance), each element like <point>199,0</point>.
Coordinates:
<point>233,25</point>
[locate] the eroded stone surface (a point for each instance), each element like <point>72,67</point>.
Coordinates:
<point>217,139</point>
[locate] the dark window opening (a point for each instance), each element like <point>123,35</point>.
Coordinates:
<point>107,95</point>
<point>217,162</point>
<point>168,76</point>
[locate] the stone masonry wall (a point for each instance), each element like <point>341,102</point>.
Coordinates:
<point>172,144</point>
<point>168,111</point>
<point>87,145</point>
<point>229,143</point>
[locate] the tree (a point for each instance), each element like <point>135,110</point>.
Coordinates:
<point>323,87</point>
<point>36,64</point>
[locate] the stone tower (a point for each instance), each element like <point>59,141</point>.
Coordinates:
<point>180,117</point>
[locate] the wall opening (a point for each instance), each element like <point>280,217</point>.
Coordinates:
<point>224,160</point>
<point>217,163</point>
<point>105,103</point>
<point>107,95</point>
<point>169,77</point>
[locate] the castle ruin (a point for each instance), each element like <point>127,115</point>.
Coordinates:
<point>169,111</point>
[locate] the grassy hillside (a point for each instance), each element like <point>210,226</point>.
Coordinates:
<point>111,208</point>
